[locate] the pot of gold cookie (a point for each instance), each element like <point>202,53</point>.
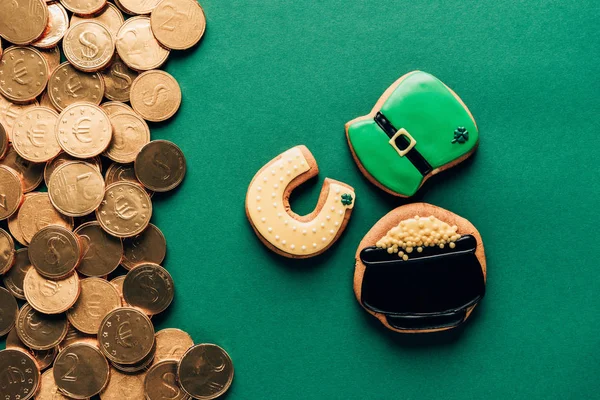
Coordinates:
<point>419,127</point>
<point>420,269</point>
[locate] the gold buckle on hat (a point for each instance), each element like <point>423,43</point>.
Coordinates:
<point>403,132</point>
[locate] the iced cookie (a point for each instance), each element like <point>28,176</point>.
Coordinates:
<point>419,127</point>
<point>420,269</point>
<point>277,226</point>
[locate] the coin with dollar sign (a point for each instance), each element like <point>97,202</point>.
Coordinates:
<point>89,46</point>
<point>118,79</point>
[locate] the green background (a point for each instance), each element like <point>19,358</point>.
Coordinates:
<point>270,75</point>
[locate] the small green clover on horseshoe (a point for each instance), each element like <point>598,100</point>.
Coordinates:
<point>346,199</point>
<point>461,135</point>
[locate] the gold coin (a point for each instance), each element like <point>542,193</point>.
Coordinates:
<point>84,7</point>
<point>89,46</point>
<point>178,24</point>
<point>24,72</point>
<point>76,188</point>
<point>7,253</point>
<point>155,95</point>
<point>126,336</point>
<point>110,17</point>
<point>118,284</point>
<point>9,112</point>
<point>150,246</point>
<point>121,172</point>
<point>139,7</point>
<point>8,311</point>
<point>205,371</point>
<point>74,336</point>
<point>46,102</point>
<point>15,277</point>
<point>137,367</point>
<point>21,376</point>
<point>31,174</point>
<point>137,46</point>
<point>15,229</point>
<point>67,86</point>
<point>43,358</point>
<point>63,158</point>
<point>33,135</point>
<point>149,287</point>
<point>115,107</point>
<point>83,130</point>
<point>58,23</point>
<point>171,344</point>
<point>23,21</point>
<point>11,191</point>
<point>3,141</point>
<point>102,252</point>
<point>48,389</point>
<point>160,166</point>
<point>52,56</point>
<point>37,212</point>
<point>124,386</point>
<point>161,382</point>
<point>50,296</point>
<point>39,331</point>
<point>54,252</point>
<point>126,209</point>
<point>98,297</point>
<point>130,134</point>
<point>81,371</point>
<point>118,79</point>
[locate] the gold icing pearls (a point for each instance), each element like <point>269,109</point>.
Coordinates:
<point>416,233</point>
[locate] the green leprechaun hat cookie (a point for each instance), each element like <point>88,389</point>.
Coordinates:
<point>418,128</point>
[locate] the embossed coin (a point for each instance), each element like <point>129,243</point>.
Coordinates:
<point>23,21</point>
<point>48,388</point>
<point>161,382</point>
<point>76,188</point>
<point>118,284</point>
<point>139,7</point>
<point>160,166</point>
<point>130,134</point>
<point>137,367</point>
<point>21,376</point>
<point>11,191</point>
<point>155,95</point>
<point>126,209</point>
<point>118,79</point>
<point>24,72</point>
<point>205,371</point>
<point>14,278</point>
<point>98,297</point>
<point>33,135</point>
<point>149,246</point>
<point>31,173</point>
<point>43,358</point>
<point>54,252</point>
<point>67,85</point>
<point>110,17</point>
<point>102,252</point>
<point>81,371</point>
<point>178,24</point>
<point>84,7</point>
<point>137,46</point>
<point>83,130</point>
<point>39,331</point>
<point>63,158</point>
<point>171,344</point>
<point>121,172</point>
<point>37,212</point>
<point>52,56</point>
<point>50,296</point>
<point>8,311</point>
<point>3,141</point>
<point>126,336</point>
<point>89,46</point>
<point>124,386</point>
<point>149,287</point>
<point>9,112</point>
<point>58,23</point>
<point>7,252</point>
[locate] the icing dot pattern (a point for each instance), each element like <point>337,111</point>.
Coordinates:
<point>414,234</point>
<point>279,228</point>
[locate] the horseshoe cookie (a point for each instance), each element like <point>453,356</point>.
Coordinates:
<point>419,127</point>
<point>420,269</point>
<point>277,226</point>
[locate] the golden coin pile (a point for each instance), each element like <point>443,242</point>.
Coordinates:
<point>84,323</point>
